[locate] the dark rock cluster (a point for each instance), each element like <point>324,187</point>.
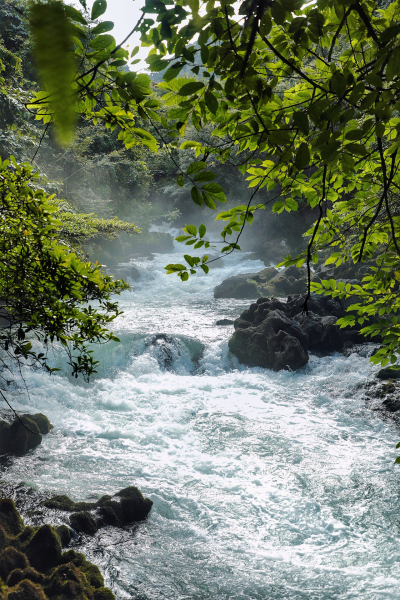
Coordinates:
<point>127,506</point>
<point>23,434</point>
<point>285,282</point>
<point>278,335</point>
<point>33,566</point>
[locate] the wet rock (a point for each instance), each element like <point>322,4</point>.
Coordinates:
<point>42,422</point>
<point>166,348</point>
<point>68,582</point>
<point>277,343</point>
<point>134,506</point>
<point>10,519</point>
<point>392,404</point>
<point>23,434</point>
<point>265,275</point>
<point>83,522</point>
<point>44,549</point>
<point>27,590</point>
<point>388,373</point>
<point>64,533</point>
<point>288,281</point>
<point>127,506</point>
<point>239,286</point>
<point>34,568</point>
<point>19,575</point>
<point>103,594</point>
<point>224,322</point>
<point>323,333</point>
<point>11,559</point>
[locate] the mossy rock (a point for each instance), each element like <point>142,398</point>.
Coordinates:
<point>65,503</point>
<point>103,594</point>
<point>10,519</point>
<point>11,559</point>
<point>134,506</point>
<point>4,539</point>
<point>83,522</point>
<point>42,422</point>
<point>19,575</point>
<point>92,574</point>
<point>71,556</point>
<point>64,533</point>
<point>23,435</point>
<point>67,582</point>
<point>27,590</point>
<point>44,549</point>
<point>61,502</point>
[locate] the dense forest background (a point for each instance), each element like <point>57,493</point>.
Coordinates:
<point>97,174</point>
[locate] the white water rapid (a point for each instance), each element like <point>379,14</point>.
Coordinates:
<point>266,486</point>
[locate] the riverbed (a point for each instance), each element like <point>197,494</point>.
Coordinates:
<point>266,486</point>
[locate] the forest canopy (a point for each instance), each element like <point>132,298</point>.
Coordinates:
<point>308,95</point>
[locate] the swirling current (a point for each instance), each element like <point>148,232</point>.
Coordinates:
<point>266,486</point>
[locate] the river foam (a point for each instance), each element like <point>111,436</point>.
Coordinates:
<point>265,485</point>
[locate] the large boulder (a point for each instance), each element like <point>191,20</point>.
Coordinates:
<point>23,434</point>
<point>323,333</point>
<point>239,286</point>
<point>288,281</point>
<point>277,343</point>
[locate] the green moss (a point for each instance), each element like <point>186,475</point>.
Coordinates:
<point>83,522</point>
<point>42,422</point>
<point>60,503</point>
<point>19,575</point>
<point>10,519</point>
<point>27,590</point>
<point>71,556</point>
<point>44,549</point>
<point>67,582</point>
<point>64,533</point>
<point>65,503</point>
<point>93,575</point>
<point>11,559</point>
<point>103,594</point>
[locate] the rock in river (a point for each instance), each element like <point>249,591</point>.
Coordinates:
<point>278,335</point>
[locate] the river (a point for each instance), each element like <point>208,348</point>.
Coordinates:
<point>266,486</point>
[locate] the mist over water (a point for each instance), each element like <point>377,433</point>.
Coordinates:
<point>266,486</point>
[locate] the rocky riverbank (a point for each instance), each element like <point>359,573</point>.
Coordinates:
<point>278,335</point>
<point>32,564</point>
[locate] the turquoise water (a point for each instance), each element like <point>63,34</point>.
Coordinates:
<point>265,485</point>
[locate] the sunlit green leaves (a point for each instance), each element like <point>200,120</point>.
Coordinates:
<point>99,8</point>
<point>56,65</point>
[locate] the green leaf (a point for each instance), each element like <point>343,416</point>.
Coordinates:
<point>393,66</point>
<point>196,196</point>
<point>195,167</point>
<point>103,27</point>
<point>301,121</point>
<point>208,201</point>
<point>302,159</point>
<point>56,66</point>
<point>190,229</point>
<point>101,42</point>
<point>191,88</point>
<point>74,15</point>
<point>204,176</point>
<point>99,8</point>
<point>215,190</point>
<point>189,260</point>
<point>205,268</point>
<point>202,230</point>
<point>211,102</point>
